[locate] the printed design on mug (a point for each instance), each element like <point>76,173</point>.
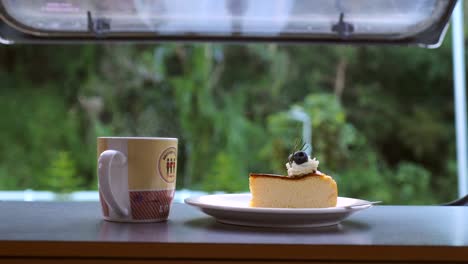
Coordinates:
<point>168,164</point>
<point>148,205</point>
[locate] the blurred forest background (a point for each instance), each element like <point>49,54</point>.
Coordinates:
<point>382,117</point>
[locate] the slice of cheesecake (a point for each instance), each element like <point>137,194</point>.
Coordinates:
<point>314,190</point>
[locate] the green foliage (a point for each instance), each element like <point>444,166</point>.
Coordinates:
<point>345,154</point>
<point>224,175</point>
<point>37,132</point>
<point>332,136</point>
<point>412,183</point>
<point>62,176</point>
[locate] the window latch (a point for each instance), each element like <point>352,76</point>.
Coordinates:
<point>343,28</point>
<point>98,26</point>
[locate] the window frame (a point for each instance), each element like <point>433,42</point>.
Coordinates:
<point>12,30</point>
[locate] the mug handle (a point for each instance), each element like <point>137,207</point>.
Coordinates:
<point>107,160</point>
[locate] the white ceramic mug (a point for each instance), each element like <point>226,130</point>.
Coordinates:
<point>137,177</point>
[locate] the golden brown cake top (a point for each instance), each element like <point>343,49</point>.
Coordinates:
<point>256,175</point>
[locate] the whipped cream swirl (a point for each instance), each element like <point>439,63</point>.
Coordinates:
<point>301,169</point>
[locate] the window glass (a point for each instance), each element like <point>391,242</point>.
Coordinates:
<point>311,18</point>
<point>381,119</point>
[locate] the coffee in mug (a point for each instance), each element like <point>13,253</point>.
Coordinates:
<point>137,177</point>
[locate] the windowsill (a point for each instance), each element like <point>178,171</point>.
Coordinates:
<point>77,196</point>
<point>75,231</point>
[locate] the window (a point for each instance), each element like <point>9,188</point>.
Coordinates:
<point>394,21</point>
<point>380,120</point>
<point>384,129</point>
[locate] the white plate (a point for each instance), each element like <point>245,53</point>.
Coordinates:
<point>234,209</point>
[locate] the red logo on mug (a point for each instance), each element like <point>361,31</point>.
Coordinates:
<point>167,164</point>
